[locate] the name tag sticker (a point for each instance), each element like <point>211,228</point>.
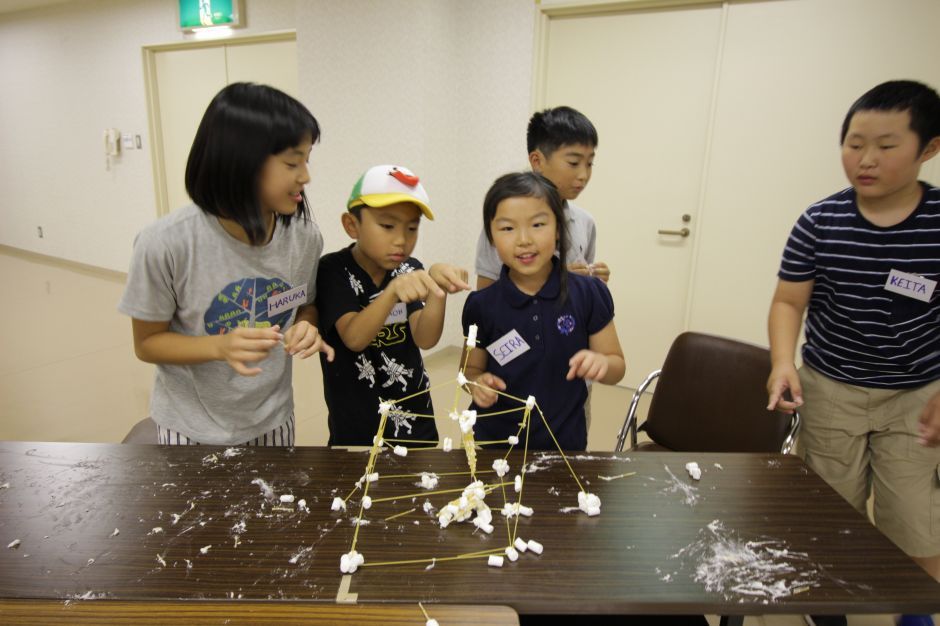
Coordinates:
<point>910,285</point>
<point>287,300</point>
<point>508,347</point>
<point>398,315</point>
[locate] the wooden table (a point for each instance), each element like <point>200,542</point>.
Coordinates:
<point>758,534</point>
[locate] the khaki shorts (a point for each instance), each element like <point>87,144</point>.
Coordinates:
<point>863,440</point>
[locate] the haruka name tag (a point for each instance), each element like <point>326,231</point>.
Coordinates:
<point>910,285</point>
<point>286,300</point>
<point>508,347</point>
<point>398,315</point>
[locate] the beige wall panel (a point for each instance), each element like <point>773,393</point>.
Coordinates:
<point>645,79</point>
<point>187,80</point>
<point>273,63</point>
<point>791,69</point>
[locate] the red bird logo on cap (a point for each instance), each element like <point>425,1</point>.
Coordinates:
<point>403,178</point>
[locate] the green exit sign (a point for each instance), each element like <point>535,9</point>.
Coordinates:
<point>195,14</point>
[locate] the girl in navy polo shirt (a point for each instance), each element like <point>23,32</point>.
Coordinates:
<point>541,330</point>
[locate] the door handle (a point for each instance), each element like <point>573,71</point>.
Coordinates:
<point>683,232</point>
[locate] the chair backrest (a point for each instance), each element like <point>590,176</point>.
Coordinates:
<point>711,397</point>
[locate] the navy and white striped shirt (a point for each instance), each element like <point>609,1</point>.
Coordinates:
<point>856,331</point>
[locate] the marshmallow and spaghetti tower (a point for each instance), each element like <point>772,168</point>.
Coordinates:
<point>470,505</point>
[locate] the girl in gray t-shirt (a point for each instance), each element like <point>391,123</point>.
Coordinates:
<point>216,286</point>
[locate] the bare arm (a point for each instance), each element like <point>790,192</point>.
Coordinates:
<point>358,330</point>
<point>783,328</point>
<point>483,391</point>
<point>428,323</point>
<point>155,343</point>
<point>603,360</point>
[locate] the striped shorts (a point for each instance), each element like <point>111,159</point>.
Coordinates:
<point>282,435</point>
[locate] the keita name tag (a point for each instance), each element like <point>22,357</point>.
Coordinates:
<point>286,300</point>
<point>508,347</point>
<point>910,285</point>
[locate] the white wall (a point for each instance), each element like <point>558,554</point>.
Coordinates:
<point>440,86</point>
<point>69,71</point>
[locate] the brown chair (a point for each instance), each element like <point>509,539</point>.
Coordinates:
<point>144,431</point>
<point>711,396</point>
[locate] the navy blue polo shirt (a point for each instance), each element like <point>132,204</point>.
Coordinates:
<point>553,331</point>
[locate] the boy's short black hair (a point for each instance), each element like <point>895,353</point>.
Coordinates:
<point>244,124</point>
<point>530,185</point>
<point>921,101</point>
<point>553,128</point>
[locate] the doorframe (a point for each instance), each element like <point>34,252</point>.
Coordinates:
<point>152,96</point>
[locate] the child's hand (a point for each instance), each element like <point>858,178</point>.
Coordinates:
<point>450,278</point>
<point>415,286</point>
<point>248,345</point>
<point>304,339</point>
<point>482,391</point>
<point>782,378</point>
<point>930,423</point>
<point>587,364</point>
<point>598,270</point>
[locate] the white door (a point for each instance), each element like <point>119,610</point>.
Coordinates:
<point>645,79</point>
<point>186,80</point>
<point>789,73</point>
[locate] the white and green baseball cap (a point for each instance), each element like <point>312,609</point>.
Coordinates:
<point>383,185</point>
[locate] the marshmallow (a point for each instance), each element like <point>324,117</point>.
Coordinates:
<point>530,403</point>
<point>378,441</point>
<point>350,562</point>
<point>428,481</point>
<point>287,498</point>
<point>385,407</point>
<point>518,483</point>
<point>371,478</point>
<point>472,336</point>
<point>448,444</point>
<point>495,561</point>
<point>520,545</point>
<point>513,440</point>
<point>461,379</point>
<point>400,450</point>
<point>501,466</point>
<point>338,505</point>
<point>694,470</point>
<point>535,546</point>
<point>589,503</point>
<point>512,554</point>
<point>366,502</point>
<point>431,622</point>
<point>454,415</point>
<point>487,528</point>
<point>467,420</point>
<point>302,505</point>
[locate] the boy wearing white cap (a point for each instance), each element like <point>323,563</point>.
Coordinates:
<point>378,308</point>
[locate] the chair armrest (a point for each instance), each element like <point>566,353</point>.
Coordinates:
<point>791,434</point>
<point>629,424</point>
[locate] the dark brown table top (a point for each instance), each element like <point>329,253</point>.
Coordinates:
<point>758,534</point>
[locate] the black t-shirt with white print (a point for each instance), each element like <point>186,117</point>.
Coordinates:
<point>391,366</point>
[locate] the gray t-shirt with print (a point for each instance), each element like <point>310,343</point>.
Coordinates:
<point>187,270</point>
<point>582,237</point>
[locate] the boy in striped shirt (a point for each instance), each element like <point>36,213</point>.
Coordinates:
<point>863,264</point>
